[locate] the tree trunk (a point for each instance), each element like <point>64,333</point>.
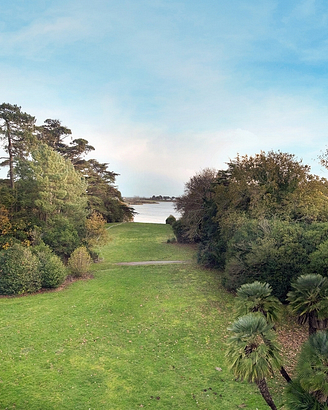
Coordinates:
<point>11,158</point>
<point>262,385</point>
<point>285,375</point>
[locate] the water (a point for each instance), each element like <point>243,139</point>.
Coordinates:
<point>155,213</point>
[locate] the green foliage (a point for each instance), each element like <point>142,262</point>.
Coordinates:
<point>19,271</point>
<point>53,184</point>
<point>191,204</point>
<point>181,231</point>
<point>264,250</point>
<point>62,236</point>
<point>170,220</point>
<point>79,262</point>
<point>253,220</point>
<point>310,389</point>
<point>16,131</point>
<point>319,259</point>
<point>252,351</point>
<point>257,297</point>
<point>309,300</point>
<point>51,268</point>
<point>312,366</point>
<point>299,399</point>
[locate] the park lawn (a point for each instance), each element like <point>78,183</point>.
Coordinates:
<point>132,337</point>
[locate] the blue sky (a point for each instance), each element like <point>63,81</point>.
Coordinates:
<point>165,88</point>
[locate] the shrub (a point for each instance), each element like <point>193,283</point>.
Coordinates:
<point>269,251</point>
<point>319,259</point>
<point>79,262</point>
<point>180,231</point>
<point>170,220</point>
<point>19,271</point>
<point>52,270</point>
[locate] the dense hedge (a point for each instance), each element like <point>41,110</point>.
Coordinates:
<point>276,252</point>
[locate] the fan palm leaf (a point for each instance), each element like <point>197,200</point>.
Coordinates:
<point>253,352</point>
<point>257,297</point>
<point>312,366</point>
<point>309,300</point>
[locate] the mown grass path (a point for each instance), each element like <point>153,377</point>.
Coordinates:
<point>132,337</point>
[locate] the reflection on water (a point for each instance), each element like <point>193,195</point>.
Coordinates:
<point>155,213</point>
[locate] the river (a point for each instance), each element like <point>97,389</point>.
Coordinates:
<point>155,213</point>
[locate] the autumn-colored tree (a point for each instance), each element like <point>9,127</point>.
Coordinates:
<point>96,232</point>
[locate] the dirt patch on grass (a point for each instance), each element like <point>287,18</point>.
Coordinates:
<point>291,337</point>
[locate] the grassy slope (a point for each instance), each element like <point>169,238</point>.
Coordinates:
<point>143,336</point>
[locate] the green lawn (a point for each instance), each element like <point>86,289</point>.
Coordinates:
<point>132,337</point>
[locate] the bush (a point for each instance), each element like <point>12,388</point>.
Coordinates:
<point>268,251</point>
<point>52,270</point>
<point>79,262</point>
<point>19,271</point>
<point>180,231</point>
<point>170,220</point>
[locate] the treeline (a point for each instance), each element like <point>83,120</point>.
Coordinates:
<point>54,199</point>
<point>263,218</point>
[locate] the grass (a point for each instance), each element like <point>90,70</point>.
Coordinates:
<point>132,337</point>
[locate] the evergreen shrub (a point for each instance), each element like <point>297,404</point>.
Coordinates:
<point>19,271</point>
<point>52,270</point>
<point>170,220</point>
<point>180,231</point>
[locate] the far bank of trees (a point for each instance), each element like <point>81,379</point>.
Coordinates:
<point>54,199</point>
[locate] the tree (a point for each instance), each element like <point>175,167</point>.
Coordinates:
<point>96,232</point>
<point>191,204</point>
<point>271,184</point>
<point>53,195</point>
<point>53,134</point>
<point>309,300</point>
<point>16,131</point>
<point>253,353</point>
<point>54,187</point>
<point>103,195</point>
<point>257,297</point>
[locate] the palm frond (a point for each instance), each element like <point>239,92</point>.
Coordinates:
<point>257,297</point>
<point>252,351</point>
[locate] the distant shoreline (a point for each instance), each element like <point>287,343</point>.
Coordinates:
<point>141,201</point>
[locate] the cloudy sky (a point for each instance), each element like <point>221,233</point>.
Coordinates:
<point>165,88</point>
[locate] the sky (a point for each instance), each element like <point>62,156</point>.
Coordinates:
<point>165,88</point>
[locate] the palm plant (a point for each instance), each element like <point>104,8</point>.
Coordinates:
<point>257,297</point>
<point>312,375</point>
<point>299,399</point>
<point>309,300</point>
<point>253,352</point>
